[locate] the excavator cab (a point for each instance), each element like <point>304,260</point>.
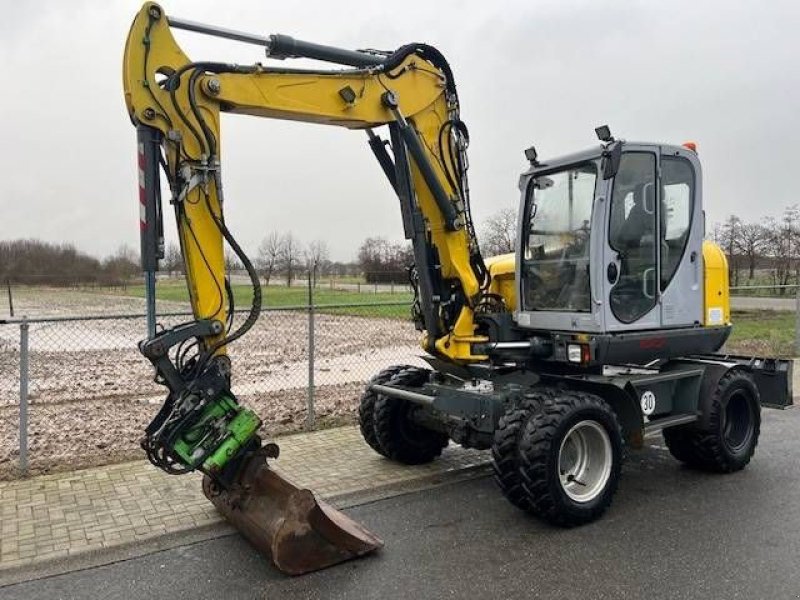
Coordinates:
<point>615,249</point>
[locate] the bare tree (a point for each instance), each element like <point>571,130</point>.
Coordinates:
<point>121,266</point>
<point>780,243</point>
<point>499,233</point>
<point>269,254</point>
<point>173,260</point>
<point>791,220</point>
<point>316,256</point>
<point>384,262</point>
<point>232,262</point>
<point>290,257</point>
<point>750,243</point>
<point>729,233</point>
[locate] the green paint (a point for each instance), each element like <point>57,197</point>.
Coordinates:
<point>222,429</point>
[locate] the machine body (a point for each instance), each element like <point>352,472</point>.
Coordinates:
<point>601,328</point>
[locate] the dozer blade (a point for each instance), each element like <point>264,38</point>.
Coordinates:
<point>300,533</point>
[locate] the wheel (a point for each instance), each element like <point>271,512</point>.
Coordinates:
<point>733,428</point>
<point>399,437</point>
<point>366,406</point>
<point>505,446</point>
<point>571,458</point>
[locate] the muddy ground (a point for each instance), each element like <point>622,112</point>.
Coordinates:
<point>91,391</point>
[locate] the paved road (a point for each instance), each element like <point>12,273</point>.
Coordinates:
<point>671,533</point>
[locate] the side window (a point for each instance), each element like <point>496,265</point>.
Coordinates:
<point>677,204</point>
<point>632,233</point>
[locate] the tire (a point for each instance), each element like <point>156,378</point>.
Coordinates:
<point>569,426</point>
<point>734,425</point>
<point>399,438</point>
<point>505,446</point>
<point>366,406</point>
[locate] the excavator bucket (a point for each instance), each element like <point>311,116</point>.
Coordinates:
<point>300,533</point>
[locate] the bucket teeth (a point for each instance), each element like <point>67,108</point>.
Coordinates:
<point>300,533</point>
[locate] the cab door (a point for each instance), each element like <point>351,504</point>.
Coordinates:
<point>631,249</point>
<point>681,248</point>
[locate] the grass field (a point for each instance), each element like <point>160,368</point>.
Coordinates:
<point>281,296</point>
<point>757,332</point>
<point>763,332</point>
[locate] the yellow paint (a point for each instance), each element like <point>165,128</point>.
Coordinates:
<point>503,271</point>
<point>716,297</point>
<point>315,98</point>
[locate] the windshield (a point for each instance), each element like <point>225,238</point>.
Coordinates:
<point>556,260</point>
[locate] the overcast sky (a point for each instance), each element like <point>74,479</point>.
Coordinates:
<point>723,73</point>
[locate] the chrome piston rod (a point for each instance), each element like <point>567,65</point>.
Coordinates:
<point>393,392</point>
<point>283,46</point>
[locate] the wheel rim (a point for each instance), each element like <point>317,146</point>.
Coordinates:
<point>738,426</point>
<point>584,461</point>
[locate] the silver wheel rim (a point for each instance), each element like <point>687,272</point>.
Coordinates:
<point>584,461</point>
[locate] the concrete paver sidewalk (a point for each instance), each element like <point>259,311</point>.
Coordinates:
<point>66,514</point>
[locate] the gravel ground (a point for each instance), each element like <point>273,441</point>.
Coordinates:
<point>74,435</point>
<point>91,392</point>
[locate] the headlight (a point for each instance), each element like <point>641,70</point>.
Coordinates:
<point>574,353</point>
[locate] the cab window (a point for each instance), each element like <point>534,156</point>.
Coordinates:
<point>556,249</point>
<point>677,204</point>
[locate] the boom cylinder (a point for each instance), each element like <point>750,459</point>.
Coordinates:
<point>284,46</point>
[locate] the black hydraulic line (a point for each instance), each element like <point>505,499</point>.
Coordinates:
<point>378,147</point>
<point>427,52</point>
<point>414,145</point>
<point>403,184</point>
<point>431,180</point>
<point>416,231</point>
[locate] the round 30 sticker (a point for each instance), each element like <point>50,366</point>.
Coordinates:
<point>648,403</point>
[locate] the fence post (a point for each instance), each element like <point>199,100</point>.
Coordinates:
<point>23,396</point>
<point>797,322</point>
<point>310,416</point>
<point>10,298</point>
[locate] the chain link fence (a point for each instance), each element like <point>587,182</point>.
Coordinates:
<point>75,391</point>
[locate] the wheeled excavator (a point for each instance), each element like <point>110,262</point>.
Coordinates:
<point>605,326</point>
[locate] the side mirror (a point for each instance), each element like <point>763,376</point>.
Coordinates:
<point>612,156</point>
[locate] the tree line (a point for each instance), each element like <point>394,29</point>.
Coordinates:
<point>34,262</point>
<point>765,252</point>
<point>280,258</point>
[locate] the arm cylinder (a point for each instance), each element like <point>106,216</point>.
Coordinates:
<point>284,46</point>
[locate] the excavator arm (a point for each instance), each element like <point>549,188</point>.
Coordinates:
<point>175,104</point>
<point>410,90</point>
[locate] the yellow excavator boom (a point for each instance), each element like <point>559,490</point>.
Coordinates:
<point>181,99</point>
<point>175,104</point>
